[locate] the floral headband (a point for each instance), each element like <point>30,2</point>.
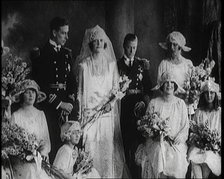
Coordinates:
<point>68,127</point>
<point>175,37</point>
<point>210,85</point>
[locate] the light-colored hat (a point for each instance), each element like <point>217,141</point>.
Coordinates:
<point>168,76</point>
<point>29,84</point>
<point>210,85</point>
<point>68,127</point>
<point>5,50</point>
<point>175,37</point>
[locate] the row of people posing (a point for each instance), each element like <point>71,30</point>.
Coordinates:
<point>96,75</point>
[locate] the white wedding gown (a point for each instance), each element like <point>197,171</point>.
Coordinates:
<point>103,138</point>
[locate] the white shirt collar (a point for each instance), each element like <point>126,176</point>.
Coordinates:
<point>54,44</point>
<point>128,59</point>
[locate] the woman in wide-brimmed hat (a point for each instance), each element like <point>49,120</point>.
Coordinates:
<point>174,45</point>
<point>209,112</point>
<point>157,157</point>
<point>182,68</point>
<point>34,122</point>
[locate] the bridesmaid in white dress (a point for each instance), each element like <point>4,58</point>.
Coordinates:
<point>209,111</point>
<point>33,121</point>
<point>175,62</point>
<point>159,159</point>
<point>98,76</point>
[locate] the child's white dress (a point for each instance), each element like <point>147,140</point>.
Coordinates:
<point>66,158</point>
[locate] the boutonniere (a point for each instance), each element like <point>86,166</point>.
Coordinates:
<point>66,55</point>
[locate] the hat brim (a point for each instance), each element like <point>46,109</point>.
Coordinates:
<point>164,46</point>
<point>179,88</point>
<point>41,96</point>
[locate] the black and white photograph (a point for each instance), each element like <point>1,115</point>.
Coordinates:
<point>111,89</point>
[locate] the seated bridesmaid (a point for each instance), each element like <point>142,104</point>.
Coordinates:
<point>67,155</point>
<point>34,122</point>
<point>206,162</point>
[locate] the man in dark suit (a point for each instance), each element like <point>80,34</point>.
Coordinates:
<point>136,100</point>
<point>51,69</point>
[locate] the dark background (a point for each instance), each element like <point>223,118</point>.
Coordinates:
<point>25,24</point>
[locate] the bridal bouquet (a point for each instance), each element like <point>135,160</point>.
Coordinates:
<point>114,95</point>
<point>17,142</point>
<point>84,163</point>
<point>153,126</point>
<point>198,75</point>
<point>14,71</point>
<point>204,138</point>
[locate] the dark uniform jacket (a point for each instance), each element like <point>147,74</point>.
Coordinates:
<point>52,71</point>
<point>139,90</point>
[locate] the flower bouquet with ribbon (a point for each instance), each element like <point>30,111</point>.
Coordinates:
<point>204,138</point>
<point>196,77</point>
<point>153,126</point>
<point>18,143</point>
<point>83,164</point>
<point>114,95</point>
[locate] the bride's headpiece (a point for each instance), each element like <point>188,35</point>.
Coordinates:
<point>92,34</point>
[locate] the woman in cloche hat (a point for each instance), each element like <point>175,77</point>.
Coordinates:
<point>182,68</point>
<point>208,112</point>
<point>157,157</point>
<point>34,122</point>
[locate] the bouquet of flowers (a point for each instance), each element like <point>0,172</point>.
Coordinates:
<point>17,142</point>
<point>204,138</point>
<point>197,76</point>
<point>84,163</point>
<point>115,94</point>
<point>153,126</point>
<point>14,71</point>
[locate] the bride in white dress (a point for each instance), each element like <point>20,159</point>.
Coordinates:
<point>97,76</point>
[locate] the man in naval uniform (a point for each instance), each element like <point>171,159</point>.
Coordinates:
<point>51,69</point>
<point>135,101</point>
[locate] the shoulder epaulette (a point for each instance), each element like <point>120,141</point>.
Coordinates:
<point>68,49</point>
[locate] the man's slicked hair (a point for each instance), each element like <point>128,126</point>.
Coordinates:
<point>57,22</point>
<point>129,38</point>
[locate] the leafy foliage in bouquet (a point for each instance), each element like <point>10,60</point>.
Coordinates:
<point>197,76</point>
<point>204,138</point>
<point>153,126</point>
<point>17,142</point>
<point>115,94</point>
<point>14,72</point>
<point>84,163</point>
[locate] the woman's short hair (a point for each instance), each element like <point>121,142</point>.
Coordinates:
<point>175,86</point>
<point>21,97</point>
<point>203,104</point>
<point>91,45</point>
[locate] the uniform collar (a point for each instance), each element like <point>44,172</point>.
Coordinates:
<point>128,59</point>
<point>56,47</point>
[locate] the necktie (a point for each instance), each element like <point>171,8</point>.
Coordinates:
<point>58,48</point>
